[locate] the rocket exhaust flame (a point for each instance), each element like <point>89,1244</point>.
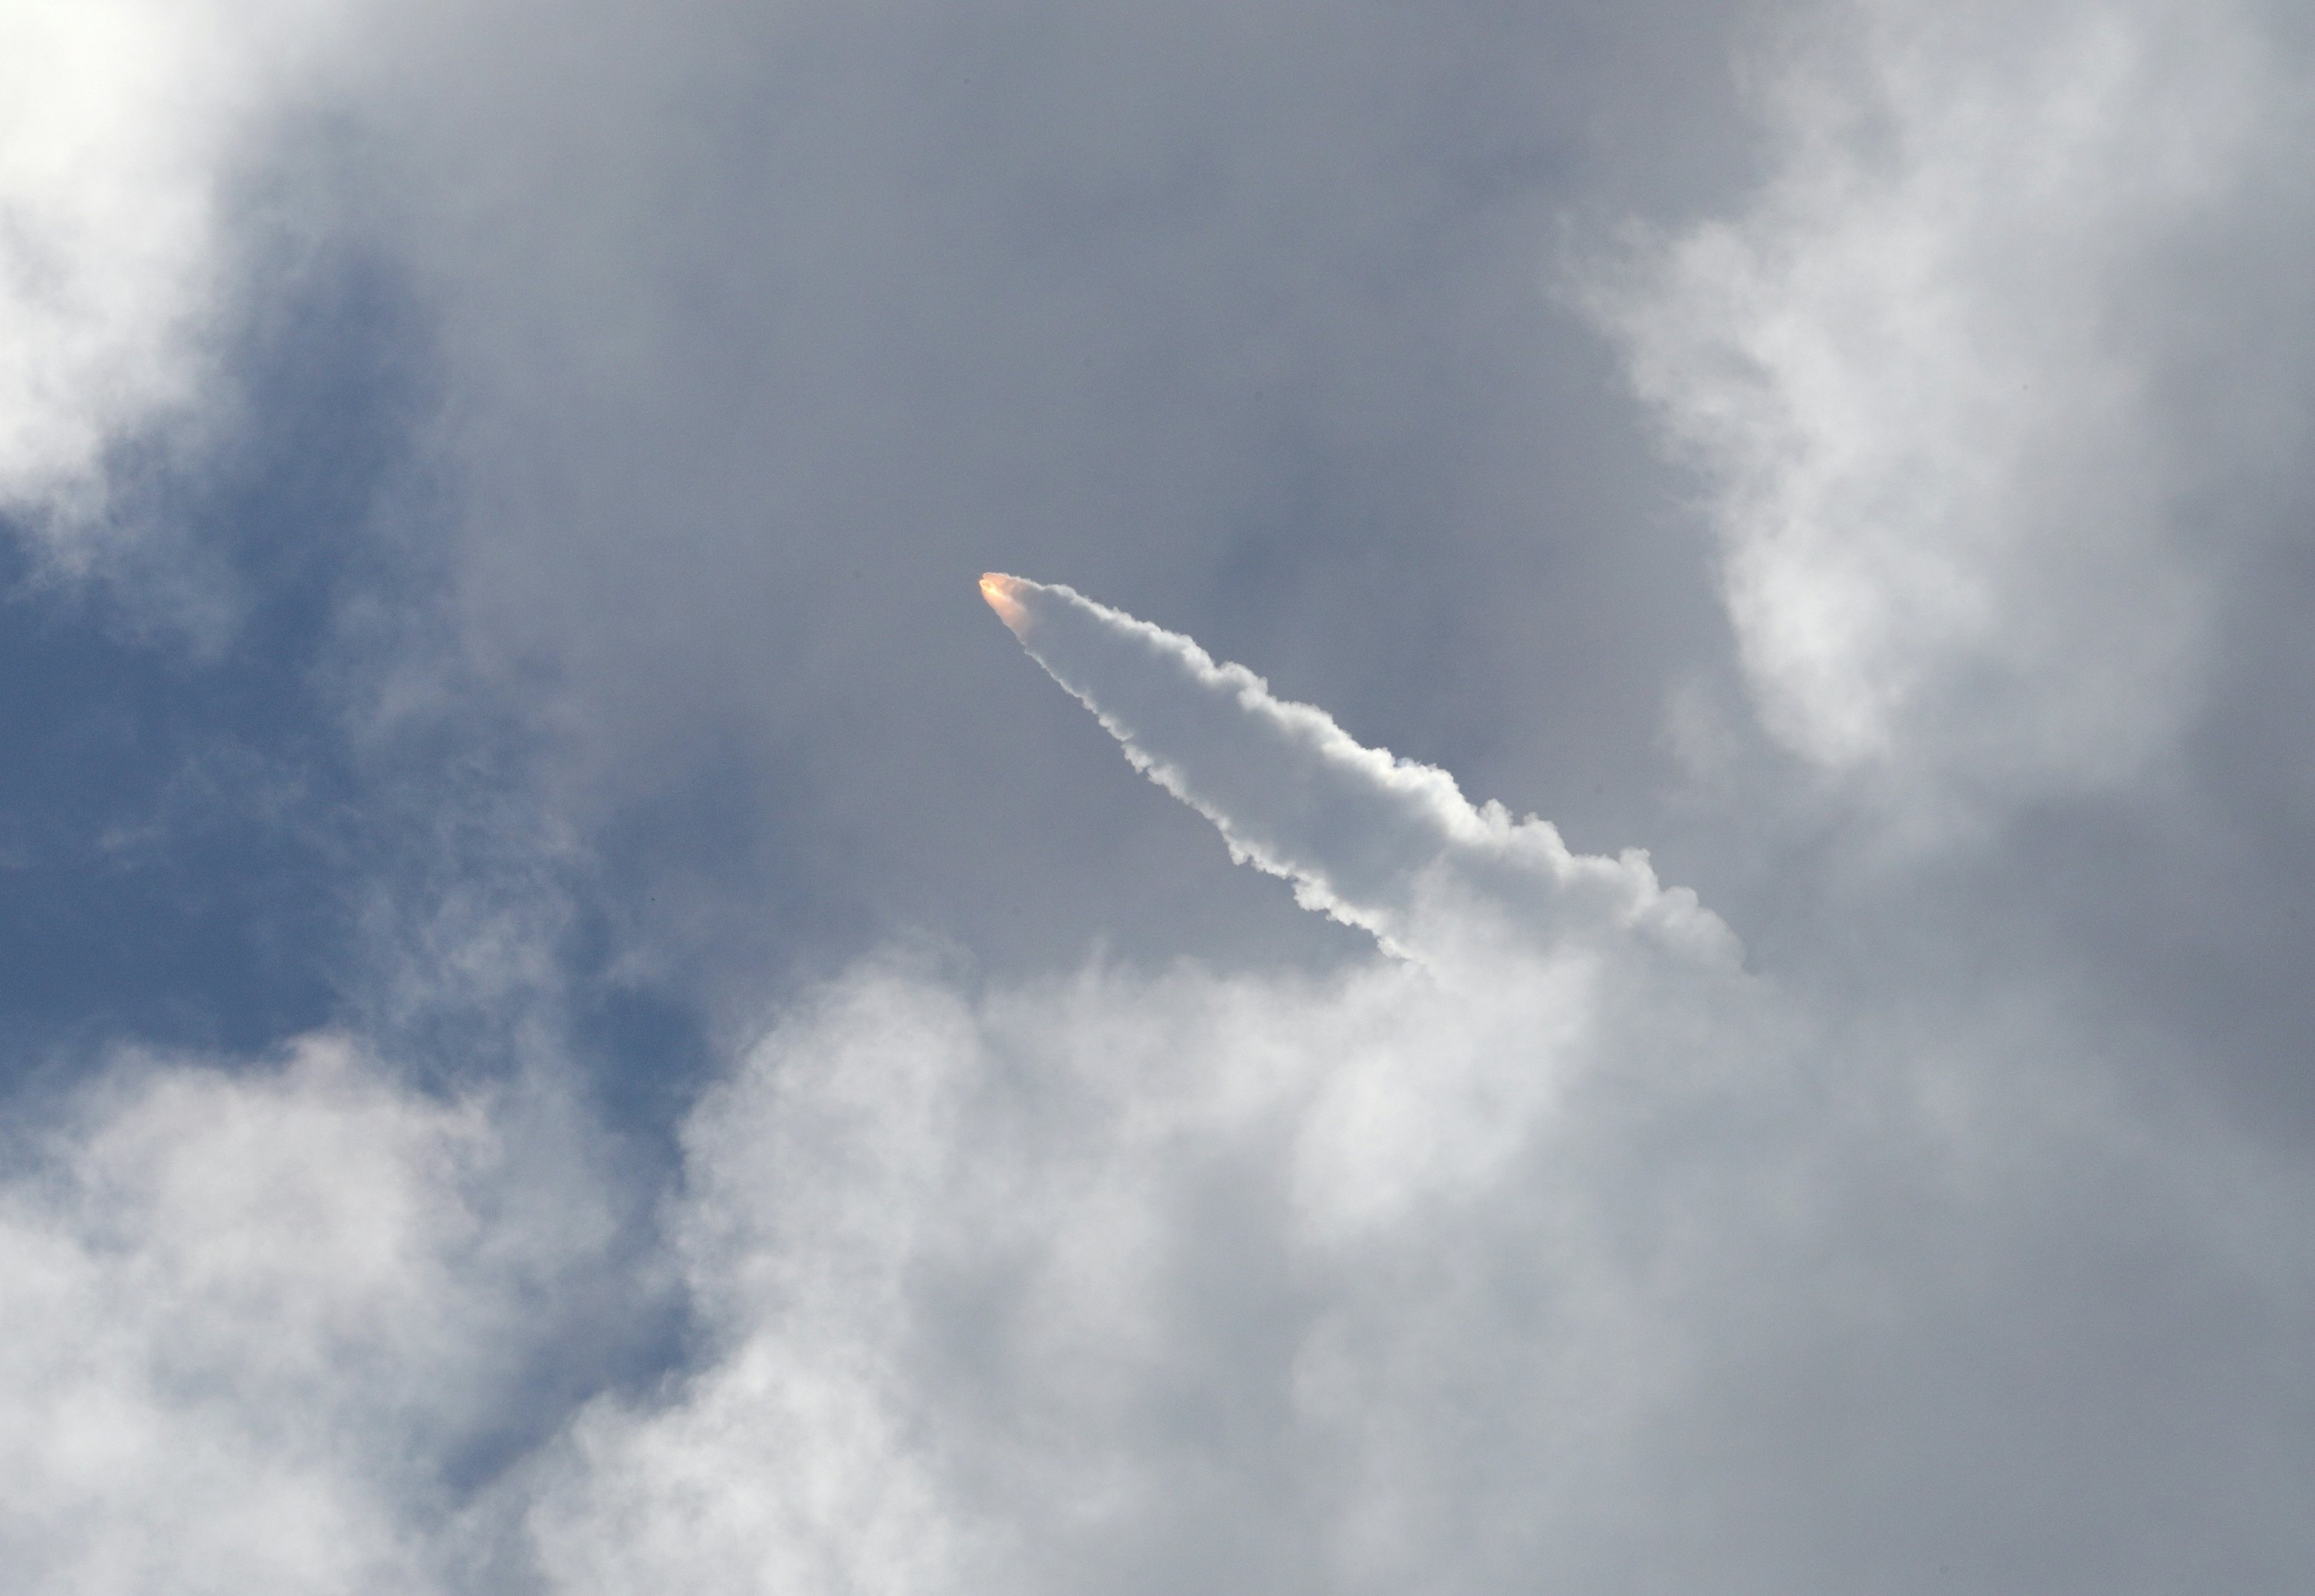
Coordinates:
<point>1001,592</point>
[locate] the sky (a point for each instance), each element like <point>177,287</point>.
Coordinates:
<point>1413,794</point>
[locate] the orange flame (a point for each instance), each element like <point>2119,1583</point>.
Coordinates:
<point>1002,592</point>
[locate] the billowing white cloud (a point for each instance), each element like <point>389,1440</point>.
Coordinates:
<point>1566,1254</point>
<point>1929,375</point>
<point>254,1321</point>
<point>121,126</point>
<point>1593,1263</point>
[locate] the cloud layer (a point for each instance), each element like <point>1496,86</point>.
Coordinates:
<point>1580,1257</point>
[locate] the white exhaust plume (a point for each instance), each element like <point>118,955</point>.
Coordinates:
<point>1379,842</point>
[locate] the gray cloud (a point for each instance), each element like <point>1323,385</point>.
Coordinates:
<point>1160,1285</point>
<point>1585,1261</point>
<point>1986,394</point>
<point>1589,1263</point>
<point>766,328</point>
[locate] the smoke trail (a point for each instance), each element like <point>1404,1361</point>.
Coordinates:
<point>1379,842</point>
